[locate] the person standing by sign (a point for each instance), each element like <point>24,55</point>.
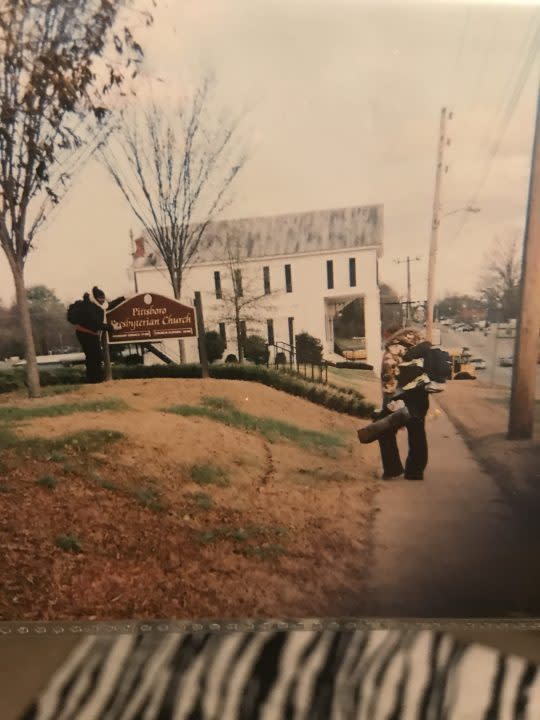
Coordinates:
<point>89,318</point>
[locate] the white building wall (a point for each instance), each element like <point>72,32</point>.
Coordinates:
<point>307,303</point>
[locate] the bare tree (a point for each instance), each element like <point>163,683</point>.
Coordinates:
<point>499,284</point>
<point>457,306</point>
<point>176,170</point>
<point>56,84</point>
<point>244,298</point>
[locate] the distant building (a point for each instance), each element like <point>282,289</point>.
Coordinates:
<point>310,265</point>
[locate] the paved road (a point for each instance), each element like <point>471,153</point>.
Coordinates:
<point>490,349</point>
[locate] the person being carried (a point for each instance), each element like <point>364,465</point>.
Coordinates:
<point>404,381</point>
<point>90,320</point>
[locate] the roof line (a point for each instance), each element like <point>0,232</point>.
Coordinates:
<point>370,206</point>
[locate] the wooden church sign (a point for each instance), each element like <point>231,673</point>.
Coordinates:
<point>148,317</point>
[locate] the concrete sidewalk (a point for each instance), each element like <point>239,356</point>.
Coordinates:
<point>453,546</point>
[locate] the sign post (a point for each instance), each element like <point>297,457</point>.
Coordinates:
<point>202,335</point>
<point>106,357</point>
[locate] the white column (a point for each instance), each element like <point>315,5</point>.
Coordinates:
<point>327,336</point>
<point>372,313</point>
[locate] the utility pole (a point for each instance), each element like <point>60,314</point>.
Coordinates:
<point>522,402</point>
<point>408,260</point>
<point>435,226</point>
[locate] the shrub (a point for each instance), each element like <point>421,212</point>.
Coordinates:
<point>215,346</point>
<point>353,365</point>
<point>62,376</point>
<point>308,349</point>
<point>281,358</point>
<point>256,350</point>
<point>231,359</point>
<point>15,379</point>
<point>345,400</point>
<point>10,381</point>
<point>149,372</point>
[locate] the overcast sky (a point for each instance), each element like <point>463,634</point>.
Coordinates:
<point>345,100</point>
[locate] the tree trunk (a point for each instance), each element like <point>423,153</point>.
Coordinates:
<point>23,308</point>
<point>239,338</point>
<point>181,344</point>
<point>239,344</point>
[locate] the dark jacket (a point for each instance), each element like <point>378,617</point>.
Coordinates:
<point>92,316</point>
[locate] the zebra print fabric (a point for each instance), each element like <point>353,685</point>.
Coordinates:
<point>295,675</point>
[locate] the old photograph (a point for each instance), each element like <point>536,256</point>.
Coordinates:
<point>269,310</point>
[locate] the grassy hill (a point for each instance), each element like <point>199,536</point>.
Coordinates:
<point>181,498</point>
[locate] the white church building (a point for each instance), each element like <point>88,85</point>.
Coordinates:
<point>296,272</point>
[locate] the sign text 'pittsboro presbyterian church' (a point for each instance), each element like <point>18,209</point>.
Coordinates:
<point>148,317</point>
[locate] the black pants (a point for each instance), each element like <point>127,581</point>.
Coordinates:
<point>91,346</point>
<point>417,402</point>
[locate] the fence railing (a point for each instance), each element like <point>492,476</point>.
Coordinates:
<point>317,372</point>
<point>282,347</point>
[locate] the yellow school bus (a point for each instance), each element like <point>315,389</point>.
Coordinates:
<point>462,369</point>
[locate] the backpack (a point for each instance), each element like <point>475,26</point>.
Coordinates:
<point>438,365</point>
<point>74,312</point>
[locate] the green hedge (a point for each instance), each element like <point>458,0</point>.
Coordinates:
<point>15,379</point>
<point>342,400</point>
<point>333,397</point>
<point>352,365</point>
<point>11,380</point>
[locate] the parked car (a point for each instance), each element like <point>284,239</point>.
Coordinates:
<point>468,328</point>
<point>506,361</point>
<point>479,363</point>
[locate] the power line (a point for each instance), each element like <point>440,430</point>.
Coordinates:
<point>512,78</point>
<point>510,108</point>
<point>514,73</point>
<point>482,68</point>
<point>473,93</point>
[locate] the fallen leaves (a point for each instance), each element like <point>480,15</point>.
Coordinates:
<point>139,563</point>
